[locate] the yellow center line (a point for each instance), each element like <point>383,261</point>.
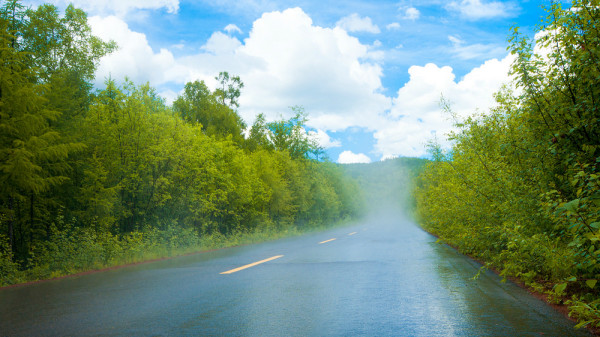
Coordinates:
<point>251,264</point>
<point>352,233</point>
<point>326,241</point>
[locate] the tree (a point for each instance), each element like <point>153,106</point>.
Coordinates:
<point>521,185</point>
<point>290,135</point>
<point>32,154</point>
<point>63,44</point>
<point>230,89</point>
<point>198,105</point>
<point>259,135</point>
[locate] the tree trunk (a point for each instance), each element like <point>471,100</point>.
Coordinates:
<point>11,221</point>
<point>31,221</point>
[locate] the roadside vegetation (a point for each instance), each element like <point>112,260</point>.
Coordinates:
<point>520,188</point>
<point>96,178</point>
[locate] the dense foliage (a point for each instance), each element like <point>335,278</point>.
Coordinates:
<point>520,188</point>
<point>96,178</point>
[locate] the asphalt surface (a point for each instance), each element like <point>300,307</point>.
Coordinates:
<point>384,277</point>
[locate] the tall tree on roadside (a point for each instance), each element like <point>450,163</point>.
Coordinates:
<point>64,54</point>
<point>198,105</point>
<point>290,135</point>
<point>47,64</point>
<point>32,155</point>
<point>229,90</point>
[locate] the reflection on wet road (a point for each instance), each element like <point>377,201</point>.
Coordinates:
<point>380,278</point>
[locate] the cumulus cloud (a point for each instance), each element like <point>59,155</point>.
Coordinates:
<point>412,14</point>
<point>219,44</point>
<point>231,28</point>
<point>478,9</point>
<point>324,139</point>
<point>335,77</point>
<point>286,60</point>
<point>349,157</point>
<point>134,58</point>
<point>416,116</point>
<point>393,26</point>
<point>354,23</point>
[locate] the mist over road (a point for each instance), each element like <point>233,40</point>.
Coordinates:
<point>382,277</point>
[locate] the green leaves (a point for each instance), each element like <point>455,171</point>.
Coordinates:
<point>520,188</point>
<point>212,110</point>
<point>130,172</point>
<point>290,135</point>
<point>572,205</point>
<point>560,288</point>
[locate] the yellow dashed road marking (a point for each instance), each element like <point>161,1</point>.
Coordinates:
<point>251,264</point>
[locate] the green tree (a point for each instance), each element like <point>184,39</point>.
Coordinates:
<point>258,137</point>
<point>291,135</point>
<point>520,187</point>
<point>229,90</point>
<point>198,105</point>
<point>32,154</point>
<point>63,44</point>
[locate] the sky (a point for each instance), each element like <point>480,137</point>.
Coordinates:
<point>370,74</point>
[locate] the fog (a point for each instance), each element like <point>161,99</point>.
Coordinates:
<point>387,185</point>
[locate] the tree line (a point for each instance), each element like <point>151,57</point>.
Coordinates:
<point>520,188</point>
<point>91,178</point>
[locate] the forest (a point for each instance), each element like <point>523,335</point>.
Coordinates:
<point>520,187</point>
<point>92,178</point>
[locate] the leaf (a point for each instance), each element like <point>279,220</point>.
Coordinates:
<point>591,283</point>
<point>583,324</point>
<point>560,288</point>
<point>572,205</point>
<point>595,224</point>
<point>572,279</point>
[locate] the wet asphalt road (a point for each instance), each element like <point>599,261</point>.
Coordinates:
<point>383,277</point>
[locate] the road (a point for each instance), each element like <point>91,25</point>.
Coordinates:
<point>384,277</point>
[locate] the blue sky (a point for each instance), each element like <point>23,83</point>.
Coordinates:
<point>370,74</point>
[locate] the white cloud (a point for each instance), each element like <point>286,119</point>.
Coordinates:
<point>354,23</point>
<point>474,51</point>
<point>478,9</point>
<point>335,77</point>
<point>169,95</point>
<point>455,40</point>
<point>116,7</point>
<point>393,26</point>
<point>349,157</point>
<point>324,140</point>
<point>416,114</point>
<point>231,28</point>
<point>219,44</point>
<point>286,60</point>
<point>412,14</point>
<point>134,58</point>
